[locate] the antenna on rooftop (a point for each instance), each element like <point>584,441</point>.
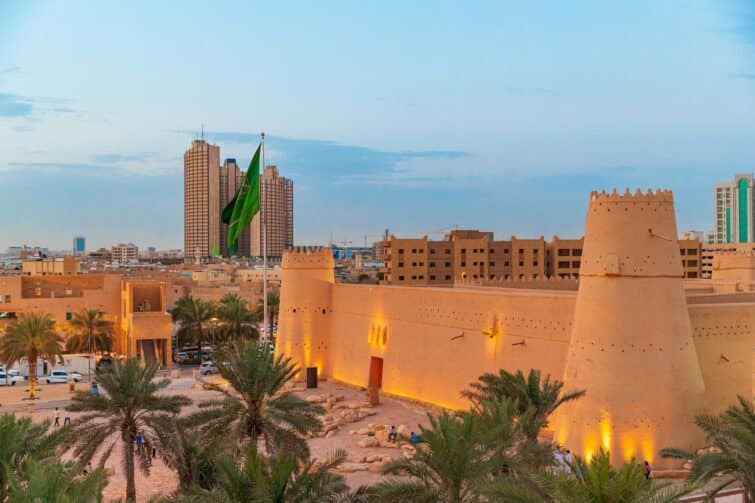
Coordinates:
<point>201,137</point>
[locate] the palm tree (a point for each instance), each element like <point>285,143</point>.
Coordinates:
<point>56,482</point>
<point>32,336</point>
<point>256,406</point>
<point>237,321</point>
<point>273,305</point>
<point>595,481</point>
<point>279,479</point>
<point>732,433</point>
<point>131,404</point>
<point>93,333</point>
<point>448,466</point>
<point>196,318</point>
<point>544,396</point>
<point>195,461</point>
<point>537,399</point>
<point>23,440</point>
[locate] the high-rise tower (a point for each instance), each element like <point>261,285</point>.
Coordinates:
<point>631,346</point>
<point>230,181</point>
<point>278,211</point>
<point>734,210</point>
<point>201,201</point>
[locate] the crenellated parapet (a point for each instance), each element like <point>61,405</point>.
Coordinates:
<point>634,235</point>
<point>548,283</point>
<point>308,257</point>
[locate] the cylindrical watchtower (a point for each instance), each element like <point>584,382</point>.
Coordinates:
<point>631,346</point>
<point>305,307</point>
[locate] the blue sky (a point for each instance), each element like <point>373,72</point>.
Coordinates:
<point>412,116</point>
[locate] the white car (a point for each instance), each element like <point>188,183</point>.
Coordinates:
<point>62,377</point>
<point>208,368</point>
<point>9,379</point>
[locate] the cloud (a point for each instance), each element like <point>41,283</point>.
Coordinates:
<point>10,69</point>
<point>16,105</point>
<point>118,158</point>
<point>333,162</point>
<point>742,75</point>
<point>12,105</point>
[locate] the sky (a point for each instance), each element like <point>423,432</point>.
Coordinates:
<point>408,116</point>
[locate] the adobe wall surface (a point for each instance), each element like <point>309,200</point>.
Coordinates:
<point>438,340</point>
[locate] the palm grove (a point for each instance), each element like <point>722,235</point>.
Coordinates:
<point>248,443</point>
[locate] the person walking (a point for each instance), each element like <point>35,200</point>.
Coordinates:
<point>647,470</point>
<point>139,441</point>
<point>154,447</point>
<point>393,434</point>
<point>567,461</point>
<point>57,418</point>
<point>67,419</point>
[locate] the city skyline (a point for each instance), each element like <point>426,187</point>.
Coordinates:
<point>442,116</point>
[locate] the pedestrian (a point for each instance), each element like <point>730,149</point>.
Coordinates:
<point>57,417</point>
<point>393,434</point>
<point>647,470</point>
<point>559,457</point>
<point>414,438</point>
<point>139,441</point>
<point>154,447</point>
<point>67,419</point>
<point>567,461</point>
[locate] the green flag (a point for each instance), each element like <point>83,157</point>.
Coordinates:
<point>245,204</point>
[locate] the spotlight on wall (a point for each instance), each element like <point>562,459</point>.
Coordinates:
<point>723,357</point>
<point>457,336</point>
<point>520,343</point>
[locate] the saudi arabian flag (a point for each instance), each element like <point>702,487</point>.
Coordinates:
<point>245,204</point>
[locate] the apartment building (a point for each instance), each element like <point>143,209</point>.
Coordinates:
<point>473,254</point>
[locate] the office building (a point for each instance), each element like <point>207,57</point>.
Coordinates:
<point>201,201</point>
<point>79,245</point>
<point>278,211</point>
<point>733,210</point>
<point>124,253</point>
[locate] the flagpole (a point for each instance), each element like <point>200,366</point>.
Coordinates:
<point>263,228</point>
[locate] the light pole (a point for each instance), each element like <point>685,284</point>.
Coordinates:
<point>89,358</point>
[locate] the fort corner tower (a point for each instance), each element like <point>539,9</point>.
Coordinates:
<point>631,346</point>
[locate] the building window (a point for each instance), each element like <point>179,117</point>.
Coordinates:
<point>492,250</point>
<point>575,263</point>
<point>421,277</point>
<point>401,264</point>
<point>401,278</point>
<point>492,264</point>
<point>576,252</point>
<point>563,252</point>
<point>432,264</point>
<point>521,263</point>
<point>692,263</point>
<point>414,277</point>
<point>401,250</point>
<point>563,264</point>
<point>506,251</point>
<point>448,278</point>
<point>432,278</point>
<point>7,299</point>
<point>421,264</point>
<point>683,251</point>
<point>505,263</point>
<point>414,264</point>
<point>474,263</point>
<point>463,264</point>
<point>68,316</point>
<point>534,263</point>
<point>448,251</point>
<point>432,252</point>
<point>692,251</point>
<point>448,264</point>
<point>692,274</point>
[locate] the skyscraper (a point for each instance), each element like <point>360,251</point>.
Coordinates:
<point>230,181</point>
<point>79,245</point>
<point>278,211</point>
<point>734,210</point>
<point>201,201</point>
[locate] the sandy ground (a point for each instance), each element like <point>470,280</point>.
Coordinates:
<point>161,480</point>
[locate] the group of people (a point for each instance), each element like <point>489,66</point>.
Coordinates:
<point>564,463</point>
<point>393,436</point>
<point>141,443</point>
<point>66,419</point>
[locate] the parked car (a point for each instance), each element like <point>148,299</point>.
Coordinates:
<point>208,368</point>
<point>7,379</point>
<point>62,377</point>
